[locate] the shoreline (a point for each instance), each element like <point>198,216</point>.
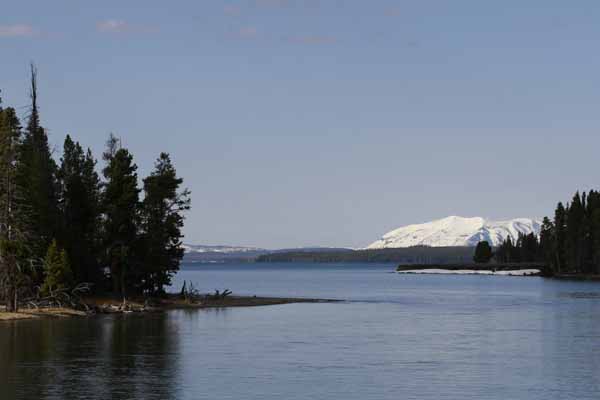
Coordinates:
<point>490,269</point>
<point>109,305</point>
<point>442,271</point>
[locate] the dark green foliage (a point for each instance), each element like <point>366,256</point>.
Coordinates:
<point>121,207</point>
<point>547,245</point>
<point>560,234</point>
<point>527,249</point>
<point>60,225</point>
<point>80,208</point>
<point>574,237</point>
<point>506,252</point>
<point>13,277</point>
<point>571,245</point>
<point>37,173</point>
<point>162,221</point>
<point>483,252</point>
<point>10,137</point>
<point>12,230</point>
<point>57,270</point>
<point>408,255</point>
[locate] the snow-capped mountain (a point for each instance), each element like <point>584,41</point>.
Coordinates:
<point>456,231</point>
<point>190,248</point>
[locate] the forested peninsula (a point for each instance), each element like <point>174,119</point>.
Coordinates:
<point>67,229</point>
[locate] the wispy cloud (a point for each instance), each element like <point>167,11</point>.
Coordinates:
<point>392,12</point>
<point>112,26</point>
<point>120,26</point>
<point>17,30</point>
<point>313,39</point>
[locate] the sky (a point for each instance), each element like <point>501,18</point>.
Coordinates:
<point>324,123</point>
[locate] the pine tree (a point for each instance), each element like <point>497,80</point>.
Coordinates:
<point>504,252</point>
<point>575,227</point>
<point>594,229</point>
<point>560,239</point>
<point>483,253</point>
<point>57,270</point>
<point>162,210</point>
<point>12,233</point>
<point>121,222</point>
<point>79,203</point>
<point>548,246</point>
<point>37,173</point>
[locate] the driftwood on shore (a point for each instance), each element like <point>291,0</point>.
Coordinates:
<point>60,298</point>
<point>192,295</point>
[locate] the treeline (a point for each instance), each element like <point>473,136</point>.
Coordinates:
<point>62,223</point>
<point>409,255</point>
<point>526,249</point>
<point>571,241</point>
<point>569,244</point>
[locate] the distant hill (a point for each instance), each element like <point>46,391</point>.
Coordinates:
<point>444,241</point>
<point>411,255</point>
<point>229,254</point>
<point>456,231</point>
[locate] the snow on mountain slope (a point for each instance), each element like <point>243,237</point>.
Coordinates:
<point>456,231</point>
<point>190,248</point>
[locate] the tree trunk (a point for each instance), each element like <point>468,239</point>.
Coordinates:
<point>12,303</point>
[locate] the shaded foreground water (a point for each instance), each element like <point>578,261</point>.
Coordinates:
<point>398,337</point>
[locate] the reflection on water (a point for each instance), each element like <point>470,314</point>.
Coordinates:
<point>130,357</point>
<point>399,337</point>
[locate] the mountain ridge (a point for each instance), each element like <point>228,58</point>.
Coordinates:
<point>455,231</point>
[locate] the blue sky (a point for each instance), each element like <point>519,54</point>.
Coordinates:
<point>324,122</point>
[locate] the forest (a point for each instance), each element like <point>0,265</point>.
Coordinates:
<point>568,244</point>
<point>408,255</point>
<point>64,225</point>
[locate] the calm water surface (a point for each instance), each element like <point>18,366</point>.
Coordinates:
<point>396,337</point>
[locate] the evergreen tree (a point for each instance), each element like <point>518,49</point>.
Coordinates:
<point>593,212</point>
<point>79,201</point>
<point>12,233</point>
<point>121,206</point>
<point>162,210</point>
<point>37,173</point>
<point>57,270</point>
<point>483,253</point>
<point>504,253</point>
<point>548,246</point>
<point>560,239</point>
<point>574,232</point>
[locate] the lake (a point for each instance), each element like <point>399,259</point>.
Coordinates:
<point>395,337</point>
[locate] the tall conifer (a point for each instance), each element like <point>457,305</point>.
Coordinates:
<point>37,173</point>
<point>162,213</point>
<point>121,208</point>
<point>13,235</point>
<point>79,200</point>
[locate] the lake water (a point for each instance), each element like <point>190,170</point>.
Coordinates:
<point>395,337</point>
